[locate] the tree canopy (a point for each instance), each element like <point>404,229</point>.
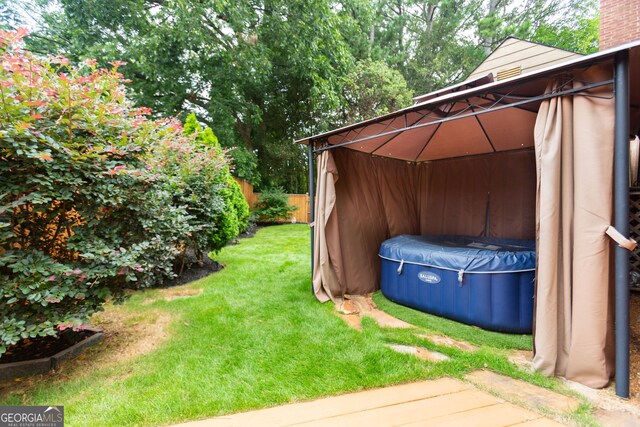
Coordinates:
<point>262,73</point>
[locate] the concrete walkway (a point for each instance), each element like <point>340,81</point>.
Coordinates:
<point>444,402</point>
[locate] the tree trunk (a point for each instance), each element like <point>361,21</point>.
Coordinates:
<point>430,13</point>
<point>487,41</point>
<point>244,130</point>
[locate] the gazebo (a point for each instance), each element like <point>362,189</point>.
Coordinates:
<point>543,155</point>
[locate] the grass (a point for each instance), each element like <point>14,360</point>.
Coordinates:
<point>247,337</point>
<point>460,331</point>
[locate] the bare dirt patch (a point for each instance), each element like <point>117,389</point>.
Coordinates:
<point>170,294</point>
<point>131,334</point>
<point>176,293</point>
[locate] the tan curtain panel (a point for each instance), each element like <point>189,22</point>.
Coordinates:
<point>573,334</point>
<point>378,198</point>
<point>326,284</point>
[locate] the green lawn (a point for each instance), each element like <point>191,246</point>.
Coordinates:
<point>255,337</point>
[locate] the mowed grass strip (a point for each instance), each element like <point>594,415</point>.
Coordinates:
<point>254,337</point>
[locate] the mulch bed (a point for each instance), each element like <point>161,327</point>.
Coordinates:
<point>194,272</point>
<point>250,231</point>
<point>41,347</point>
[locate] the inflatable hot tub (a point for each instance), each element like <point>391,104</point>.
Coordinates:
<point>482,281</point>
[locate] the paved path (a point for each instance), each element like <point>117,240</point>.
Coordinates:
<point>444,402</point>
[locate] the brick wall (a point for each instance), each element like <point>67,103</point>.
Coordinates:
<point>619,22</point>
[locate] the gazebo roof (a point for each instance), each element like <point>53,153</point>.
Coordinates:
<point>426,131</point>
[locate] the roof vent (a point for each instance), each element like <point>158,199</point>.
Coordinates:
<point>509,72</point>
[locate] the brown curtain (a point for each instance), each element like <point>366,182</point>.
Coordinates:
<point>374,201</point>
<point>378,198</point>
<point>490,195</point>
<point>573,334</point>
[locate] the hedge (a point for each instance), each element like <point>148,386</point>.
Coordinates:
<point>96,196</point>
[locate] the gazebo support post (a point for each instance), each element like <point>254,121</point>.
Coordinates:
<point>312,212</point>
<point>621,203</point>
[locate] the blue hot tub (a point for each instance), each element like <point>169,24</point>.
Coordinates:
<point>481,281</point>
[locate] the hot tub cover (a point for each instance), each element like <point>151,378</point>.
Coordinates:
<point>470,254</point>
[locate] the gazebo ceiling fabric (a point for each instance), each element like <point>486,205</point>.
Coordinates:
<point>418,136</point>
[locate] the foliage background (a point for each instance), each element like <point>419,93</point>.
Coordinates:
<point>265,72</point>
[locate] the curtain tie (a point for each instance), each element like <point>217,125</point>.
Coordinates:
<point>623,242</point>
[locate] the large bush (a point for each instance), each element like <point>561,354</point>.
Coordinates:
<point>191,175</point>
<point>227,223</point>
<point>94,196</point>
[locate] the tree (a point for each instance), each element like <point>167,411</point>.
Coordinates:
<point>11,17</point>
<point>262,72</point>
<point>438,42</point>
<point>222,225</point>
<point>373,89</point>
<point>579,35</point>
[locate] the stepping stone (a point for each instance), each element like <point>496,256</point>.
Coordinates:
<point>363,305</point>
<point>522,358</point>
<point>348,307</point>
<point>611,410</point>
<point>449,342</point>
<point>352,320</point>
<point>385,320</point>
<point>419,352</point>
<point>523,392</point>
<point>616,418</point>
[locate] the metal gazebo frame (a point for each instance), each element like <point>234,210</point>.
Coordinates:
<point>620,58</point>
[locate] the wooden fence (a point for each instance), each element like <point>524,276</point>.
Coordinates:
<point>300,200</point>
